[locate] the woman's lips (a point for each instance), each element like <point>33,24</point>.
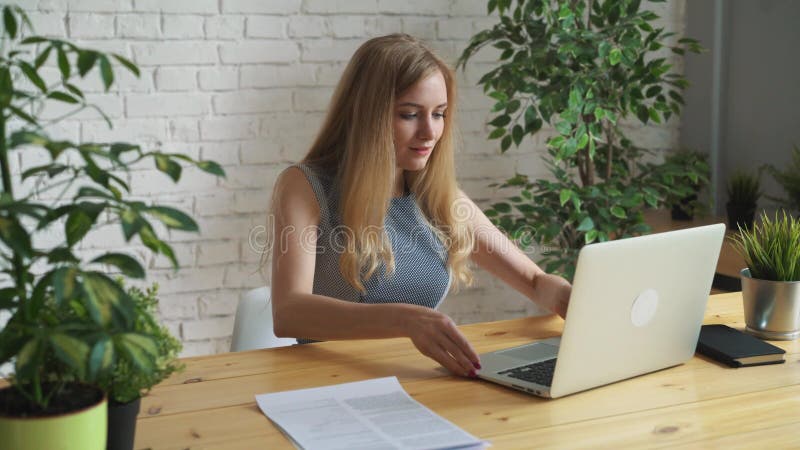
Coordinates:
<point>422,150</point>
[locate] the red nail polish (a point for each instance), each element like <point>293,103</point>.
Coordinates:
<point>472,374</point>
<point>477,365</point>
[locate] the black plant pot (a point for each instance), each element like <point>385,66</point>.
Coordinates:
<point>740,216</point>
<point>684,210</point>
<point>122,424</point>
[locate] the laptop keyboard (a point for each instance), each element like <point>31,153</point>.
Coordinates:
<point>538,372</point>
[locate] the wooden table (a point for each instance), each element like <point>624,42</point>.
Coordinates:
<point>698,404</point>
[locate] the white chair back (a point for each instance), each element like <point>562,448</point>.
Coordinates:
<point>253,327</point>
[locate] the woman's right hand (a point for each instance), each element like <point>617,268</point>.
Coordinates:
<point>436,336</point>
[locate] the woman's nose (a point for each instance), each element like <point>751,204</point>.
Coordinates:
<point>425,129</point>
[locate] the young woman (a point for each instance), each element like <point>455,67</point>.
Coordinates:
<point>371,228</point>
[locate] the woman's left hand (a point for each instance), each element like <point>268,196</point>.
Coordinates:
<point>552,292</point>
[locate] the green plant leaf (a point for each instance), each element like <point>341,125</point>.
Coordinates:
<point>101,295</point>
<point>64,284</point>
<point>71,351</point>
<point>101,358</point>
<point>127,63</point>
<point>106,72</point>
<point>63,63</point>
<point>28,358</point>
<point>63,97</point>
<point>127,264</point>
<point>586,224</point>
<point>10,22</point>
<point>565,195</point>
<point>617,211</point>
<point>172,218</point>
<point>168,166</point>
<point>614,56</point>
<point>211,167</point>
<point>497,133</point>
<point>80,221</point>
<point>32,75</point>
<point>14,235</point>
<point>86,60</point>
<point>139,349</point>
<point>517,134</point>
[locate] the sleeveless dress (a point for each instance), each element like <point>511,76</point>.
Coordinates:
<point>421,276</point>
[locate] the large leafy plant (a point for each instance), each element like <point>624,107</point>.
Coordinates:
<point>69,318</point>
<point>583,67</point>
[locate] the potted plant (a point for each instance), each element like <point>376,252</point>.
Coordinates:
<point>125,384</point>
<point>789,179</point>
<point>684,201</point>
<point>581,66</point>
<point>743,194</point>
<point>69,320</point>
<point>771,281</point>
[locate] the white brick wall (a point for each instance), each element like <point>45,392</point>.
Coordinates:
<point>246,83</point>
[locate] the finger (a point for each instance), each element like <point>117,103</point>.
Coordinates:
<point>464,346</point>
<point>440,355</point>
<point>467,367</point>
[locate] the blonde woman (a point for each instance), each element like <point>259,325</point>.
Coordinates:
<point>371,228</point>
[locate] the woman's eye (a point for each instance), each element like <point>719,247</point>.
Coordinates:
<point>439,115</point>
<point>408,116</point>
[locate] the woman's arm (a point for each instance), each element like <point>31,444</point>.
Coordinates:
<point>495,253</point>
<point>297,312</point>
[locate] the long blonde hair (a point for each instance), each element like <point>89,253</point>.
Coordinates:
<point>356,142</point>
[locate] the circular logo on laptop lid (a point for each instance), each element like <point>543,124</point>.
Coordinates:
<point>644,307</point>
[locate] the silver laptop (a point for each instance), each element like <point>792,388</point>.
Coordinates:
<point>637,305</point>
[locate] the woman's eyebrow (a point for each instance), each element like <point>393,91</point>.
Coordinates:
<point>417,105</point>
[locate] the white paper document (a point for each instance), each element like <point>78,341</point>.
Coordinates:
<point>365,415</point>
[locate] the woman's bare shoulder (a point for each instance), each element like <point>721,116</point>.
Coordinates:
<point>294,196</point>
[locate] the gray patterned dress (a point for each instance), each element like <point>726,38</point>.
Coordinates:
<point>421,276</point>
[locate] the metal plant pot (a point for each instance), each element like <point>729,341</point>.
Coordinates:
<point>771,308</point>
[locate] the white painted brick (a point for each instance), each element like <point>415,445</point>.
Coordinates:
<point>215,204</point>
<point>99,5</point>
<point>198,348</point>
<point>261,7</point>
<point>48,23</point>
<point>452,28</point>
<point>185,253</point>
<point>471,8</point>
<point>310,99</point>
<point>219,78</point>
<point>178,307</point>
<point>183,26</point>
<point>306,26</point>
<point>413,7</point>
<point>258,52</point>
<point>259,152</point>
<point>176,78</point>
<point>175,53</point>
<point>228,128</point>
<point>138,25</point>
<point>382,25</point>
<point>224,27</point>
<point>178,6</point>
<point>272,27</point>
<point>129,130</point>
<point>329,74</point>
<point>347,26</point>
<point>153,182</point>
<point>188,280</point>
<point>190,149</point>
<point>341,6</point>
<point>166,104</point>
<point>45,5</point>
<point>277,75</point>
<point>208,328</point>
<point>82,26</point>
<point>243,276</point>
<point>253,101</point>
<point>224,153</point>
<point>184,130</point>
<point>218,305</point>
<point>420,27</point>
<point>326,51</point>
<point>251,202</point>
<point>252,177</point>
<point>214,228</point>
<point>216,253</point>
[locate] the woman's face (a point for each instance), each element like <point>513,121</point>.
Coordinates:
<point>419,121</point>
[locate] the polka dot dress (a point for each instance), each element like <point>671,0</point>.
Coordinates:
<point>420,277</point>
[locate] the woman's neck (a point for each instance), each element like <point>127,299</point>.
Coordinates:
<point>400,184</point>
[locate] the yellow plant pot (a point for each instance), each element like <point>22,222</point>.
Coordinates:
<point>84,429</point>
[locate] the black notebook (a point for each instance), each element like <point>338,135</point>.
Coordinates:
<point>735,348</point>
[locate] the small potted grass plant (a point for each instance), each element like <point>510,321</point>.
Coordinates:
<point>771,281</point>
<point>744,190</point>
